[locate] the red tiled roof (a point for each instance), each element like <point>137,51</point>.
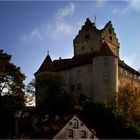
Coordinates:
<point>105,50</point>
<point>47,65</point>
<point>73,62</point>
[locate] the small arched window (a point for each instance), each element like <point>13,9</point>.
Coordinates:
<point>75,123</point>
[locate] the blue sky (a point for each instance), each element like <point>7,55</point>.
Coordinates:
<point>28,29</point>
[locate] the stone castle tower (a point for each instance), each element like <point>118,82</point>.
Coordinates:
<point>90,39</point>
<point>104,43</point>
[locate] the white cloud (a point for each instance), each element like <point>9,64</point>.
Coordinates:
<point>121,11</point>
<point>131,5</point>
<point>100,3</point>
<point>67,11</point>
<point>135,4</point>
<point>63,27</point>
<point>59,28</point>
<point>35,34</point>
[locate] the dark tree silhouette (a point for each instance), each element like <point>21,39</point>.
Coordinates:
<point>11,94</point>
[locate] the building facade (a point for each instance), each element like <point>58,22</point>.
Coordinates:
<point>96,69</point>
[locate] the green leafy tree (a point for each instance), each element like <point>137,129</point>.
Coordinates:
<point>106,123</point>
<point>11,78</point>
<point>128,101</point>
<point>51,96</point>
<point>11,94</point>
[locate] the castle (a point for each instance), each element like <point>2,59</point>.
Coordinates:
<point>95,69</point>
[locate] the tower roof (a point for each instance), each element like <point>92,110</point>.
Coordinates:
<point>47,65</point>
<point>105,50</point>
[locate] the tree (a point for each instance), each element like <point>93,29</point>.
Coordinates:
<point>128,101</point>
<point>11,78</point>
<point>11,94</point>
<point>106,123</point>
<point>51,96</point>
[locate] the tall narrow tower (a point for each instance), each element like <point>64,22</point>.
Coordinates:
<point>46,67</point>
<point>105,74</point>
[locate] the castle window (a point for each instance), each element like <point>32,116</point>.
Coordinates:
<point>139,78</point>
<point>78,74</point>
<point>83,47</point>
<point>106,60</point>
<point>110,31</point>
<point>87,29</point>
<point>106,75</point>
<point>121,70</point>
<point>130,75</point>
<point>87,36</point>
<point>135,76</point>
<point>95,62</point>
<point>83,134</point>
<point>70,133</point>
<point>72,87</point>
<point>125,73</point>
<point>135,89</point>
<point>79,86</point>
<point>72,74</point>
<point>110,38</point>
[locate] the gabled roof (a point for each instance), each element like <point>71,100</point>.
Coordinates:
<point>105,50</point>
<point>75,61</point>
<point>52,128</point>
<point>47,65</point>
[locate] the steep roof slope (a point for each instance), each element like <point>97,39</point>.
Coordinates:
<point>47,65</point>
<point>105,50</point>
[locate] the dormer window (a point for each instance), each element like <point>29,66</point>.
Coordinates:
<point>75,123</point>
